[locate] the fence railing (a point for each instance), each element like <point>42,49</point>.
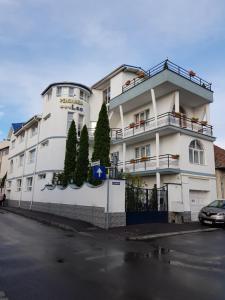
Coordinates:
<point>115,133</point>
<point>166,65</point>
<point>169,118</point>
<point>141,199</point>
<point>150,163</point>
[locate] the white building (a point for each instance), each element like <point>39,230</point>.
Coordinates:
<point>4,151</point>
<point>160,129</point>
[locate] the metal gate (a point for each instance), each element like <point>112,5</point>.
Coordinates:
<point>146,205</point>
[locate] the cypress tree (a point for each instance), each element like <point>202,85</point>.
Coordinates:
<point>102,138</point>
<point>82,160</point>
<point>71,153</point>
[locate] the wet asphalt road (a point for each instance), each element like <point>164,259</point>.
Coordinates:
<point>41,262</point>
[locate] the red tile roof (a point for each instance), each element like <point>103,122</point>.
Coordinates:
<point>219,157</point>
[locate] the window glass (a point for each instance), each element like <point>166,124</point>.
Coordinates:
<point>147,114</point>
<point>19,184</point>
<point>31,156</point>
<point>196,152</point>
<point>148,151</point>
<point>191,156</point>
<point>137,153</point>
<point>59,91</point>
<point>71,91</point>
<point>69,119</point>
<point>106,95</point>
<point>21,159</point>
<point>142,151</point>
<point>29,183</point>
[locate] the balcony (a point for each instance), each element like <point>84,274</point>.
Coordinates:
<point>166,65</point>
<point>172,119</point>
<point>168,164</point>
<point>115,133</point>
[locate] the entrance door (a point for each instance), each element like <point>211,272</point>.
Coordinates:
<point>198,199</point>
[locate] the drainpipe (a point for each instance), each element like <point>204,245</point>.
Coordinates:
<point>156,144</point>
<point>24,163</point>
<point>35,165</point>
<point>124,144</point>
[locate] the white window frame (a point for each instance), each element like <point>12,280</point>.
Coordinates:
<point>71,91</point>
<point>18,186</point>
<point>29,184</point>
<point>22,137</point>
<point>33,130</point>
<point>11,166</point>
<point>196,153</point>
<point>13,144</point>
<point>21,160</point>
<point>106,93</point>
<point>58,91</point>
<point>142,116</point>
<point>141,151</point>
<point>31,156</point>
<point>68,120</point>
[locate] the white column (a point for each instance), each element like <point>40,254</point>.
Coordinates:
<point>124,156</point>
<point>110,115</point>
<point>207,113</point>
<point>122,120</point>
<point>156,144</point>
<point>177,101</point>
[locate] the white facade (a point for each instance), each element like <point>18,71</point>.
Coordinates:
<point>160,131</point>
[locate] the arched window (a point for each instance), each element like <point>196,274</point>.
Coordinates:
<point>196,153</point>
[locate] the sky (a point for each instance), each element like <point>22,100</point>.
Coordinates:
<point>43,41</point>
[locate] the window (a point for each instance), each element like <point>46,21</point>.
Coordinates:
<point>42,176</point>
<point>11,166</point>
<point>196,153</point>
<point>33,130</point>
<point>45,143</point>
<point>143,151</point>
<point>115,157</point>
<point>18,185</point>
<point>142,116</point>
<point>69,119</point>
<point>83,95</point>
<point>9,184</point>
<point>80,123</point>
<point>137,152</point>
<point>31,156</point>
<point>13,144</point>
<point>21,160</point>
<point>71,92</point>
<point>29,183</point>
<point>49,95</point>
<point>21,137</point>
<point>59,91</point>
<point>106,95</point>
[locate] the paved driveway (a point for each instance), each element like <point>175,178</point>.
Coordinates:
<point>41,262</point>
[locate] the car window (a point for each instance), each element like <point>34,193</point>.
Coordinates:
<point>218,204</point>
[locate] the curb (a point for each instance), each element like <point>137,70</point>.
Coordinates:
<point>43,221</point>
<point>168,234</point>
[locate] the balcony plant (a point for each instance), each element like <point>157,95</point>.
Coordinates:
<point>176,114</point>
<point>132,161</point>
<point>128,82</point>
<point>144,158</point>
<point>132,125</point>
<point>191,73</point>
<point>175,156</point>
<point>142,122</point>
<point>141,74</point>
<point>194,119</point>
<point>204,123</point>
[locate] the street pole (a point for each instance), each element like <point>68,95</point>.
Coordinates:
<point>107,204</point>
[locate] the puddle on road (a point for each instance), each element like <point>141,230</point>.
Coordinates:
<point>60,260</point>
<point>175,258</point>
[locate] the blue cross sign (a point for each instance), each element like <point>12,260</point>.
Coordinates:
<point>99,172</point>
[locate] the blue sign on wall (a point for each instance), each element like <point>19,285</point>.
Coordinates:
<point>99,172</point>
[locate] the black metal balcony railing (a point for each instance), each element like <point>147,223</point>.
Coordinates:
<point>166,65</point>
<point>166,161</point>
<point>166,119</point>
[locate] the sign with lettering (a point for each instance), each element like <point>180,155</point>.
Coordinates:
<point>71,101</point>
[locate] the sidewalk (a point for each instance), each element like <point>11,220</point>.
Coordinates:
<point>132,232</point>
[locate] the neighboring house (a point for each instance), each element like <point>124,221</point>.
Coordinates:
<point>4,151</point>
<point>220,171</point>
<point>160,131</point>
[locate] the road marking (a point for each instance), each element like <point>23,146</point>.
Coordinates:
<point>168,234</point>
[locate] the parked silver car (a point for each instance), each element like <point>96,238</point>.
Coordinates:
<point>214,213</point>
